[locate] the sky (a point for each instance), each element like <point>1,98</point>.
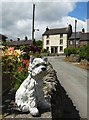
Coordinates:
<point>16,17</point>
<point>80,12</point>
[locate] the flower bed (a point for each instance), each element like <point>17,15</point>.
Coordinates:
<point>14,68</point>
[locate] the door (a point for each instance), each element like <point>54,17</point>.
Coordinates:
<point>54,49</point>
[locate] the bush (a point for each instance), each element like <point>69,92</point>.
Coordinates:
<point>44,51</point>
<point>83,52</point>
<point>69,51</point>
<point>19,76</point>
<point>14,64</point>
<point>22,47</point>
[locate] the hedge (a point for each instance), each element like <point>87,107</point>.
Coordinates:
<point>83,52</point>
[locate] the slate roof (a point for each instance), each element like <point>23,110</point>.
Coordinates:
<point>72,37</point>
<point>84,36</point>
<point>21,42</point>
<point>79,35</point>
<point>56,31</point>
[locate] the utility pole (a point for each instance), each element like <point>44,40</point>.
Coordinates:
<point>75,33</point>
<point>33,30</point>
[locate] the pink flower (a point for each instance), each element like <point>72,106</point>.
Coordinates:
<point>11,48</point>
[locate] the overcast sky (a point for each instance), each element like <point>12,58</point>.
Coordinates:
<point>16,16</point>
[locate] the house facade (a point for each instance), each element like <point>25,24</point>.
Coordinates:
<point>82,39</point>
<point>55,40</point>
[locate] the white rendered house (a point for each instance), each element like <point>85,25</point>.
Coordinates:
<point>55,40</point>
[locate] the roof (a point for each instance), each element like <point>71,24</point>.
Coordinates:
<point>21,42</point>
<point>2,36</point>
<point>84,36</point>
<point>56,31</point>
<point>72,37</point>
<point>79,35</point>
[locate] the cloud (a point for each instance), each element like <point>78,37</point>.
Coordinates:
<point>17,17</point>
<point>71,20</point>
<point>53,11</point>
<point>23,24</point>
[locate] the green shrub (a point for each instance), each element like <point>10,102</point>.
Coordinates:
<point>44,51</point>
<point>83,52</point>
<point>69,51</point>
<point>19,77</point>
<point>22,47</point>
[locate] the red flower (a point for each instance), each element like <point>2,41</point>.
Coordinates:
<point>20,69</point>
<point>26,62</point>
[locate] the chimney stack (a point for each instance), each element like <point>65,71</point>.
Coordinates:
<point>47,28</point>
<point>11,40</point>
<point>18,39</point>
<point>26,38</point>
<point>83,30</point>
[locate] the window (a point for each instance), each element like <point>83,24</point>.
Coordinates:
<point>61,41</point>
<point>61,48</point>
<point>77,42</point>
<point>61,35</point>
<point>47,48</point>
<point>47,36</point>
<point>47,42</point>
<point>71,42</point>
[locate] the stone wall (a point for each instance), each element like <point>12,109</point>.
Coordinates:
<point>61,104</point>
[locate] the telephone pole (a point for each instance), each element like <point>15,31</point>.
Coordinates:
<point>75,33</point>
<point>33,30</point>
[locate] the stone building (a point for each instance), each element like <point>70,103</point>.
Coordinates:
<point>82,39</point>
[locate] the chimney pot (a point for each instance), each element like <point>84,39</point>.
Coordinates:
<point>47,28</point>
<point>83,30</point>
<point>18,39</point>
<point>26,38</point>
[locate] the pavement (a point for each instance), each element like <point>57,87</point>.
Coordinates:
<point>74,81</point>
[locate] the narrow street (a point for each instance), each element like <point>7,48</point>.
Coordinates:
<point>74,81</point>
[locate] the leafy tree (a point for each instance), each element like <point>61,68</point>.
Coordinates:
<point>39,44</point>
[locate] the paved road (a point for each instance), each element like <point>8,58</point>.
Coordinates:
<point>74,81</point>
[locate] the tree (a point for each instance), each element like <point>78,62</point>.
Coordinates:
<point>39,44</point>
